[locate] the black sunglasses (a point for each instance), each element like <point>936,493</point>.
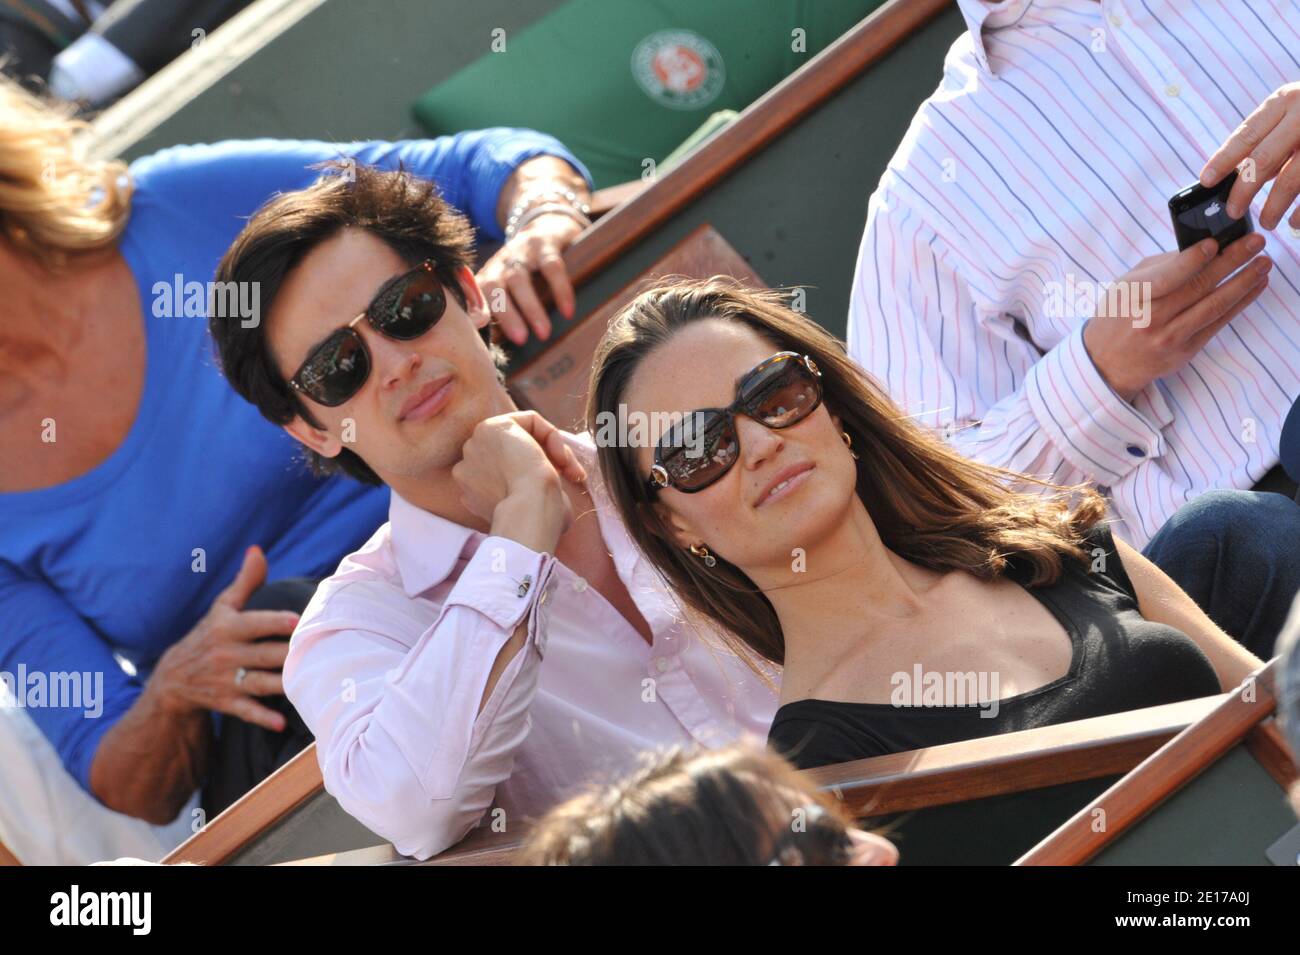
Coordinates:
<point>405,309</point>
<point>778,392</point>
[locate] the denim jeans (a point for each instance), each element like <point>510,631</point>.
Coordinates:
<point>1237,553</point>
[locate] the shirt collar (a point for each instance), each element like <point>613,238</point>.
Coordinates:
<point>981,14</point>
<point>426,546</point>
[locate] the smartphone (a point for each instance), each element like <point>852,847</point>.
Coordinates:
<point>1199,212</point>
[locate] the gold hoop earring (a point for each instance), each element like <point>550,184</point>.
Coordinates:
<point>702,552</point>
<point>848,443</point>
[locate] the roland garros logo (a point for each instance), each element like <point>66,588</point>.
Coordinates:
<point>679,69</point>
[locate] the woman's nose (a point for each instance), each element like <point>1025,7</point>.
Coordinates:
<point>757,442</point>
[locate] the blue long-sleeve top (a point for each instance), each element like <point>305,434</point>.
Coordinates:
<point>119,563</point>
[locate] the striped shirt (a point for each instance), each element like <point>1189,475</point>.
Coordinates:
<point>1040,169</point>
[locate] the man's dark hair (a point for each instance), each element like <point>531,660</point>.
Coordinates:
<point>404,211</point>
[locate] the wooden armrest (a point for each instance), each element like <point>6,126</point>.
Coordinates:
<point>1163,773</point>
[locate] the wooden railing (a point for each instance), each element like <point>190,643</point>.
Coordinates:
<point>905,782</point>
<point>1167,770</point>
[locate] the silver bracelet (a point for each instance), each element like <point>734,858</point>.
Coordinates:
<point>551,194</point>
<point>546,209</point>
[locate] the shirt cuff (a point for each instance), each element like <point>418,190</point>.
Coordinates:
<point>1096,430</point>
<point>502,581</point>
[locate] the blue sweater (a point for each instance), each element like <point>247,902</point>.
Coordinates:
<point>101,574</point>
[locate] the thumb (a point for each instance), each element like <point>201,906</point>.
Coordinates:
<point>252,574</point>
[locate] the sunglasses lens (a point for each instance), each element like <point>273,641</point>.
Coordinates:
<point>337,370</point>
<point>783,394</point>
<point>700,449</point>
<point>410,308</point>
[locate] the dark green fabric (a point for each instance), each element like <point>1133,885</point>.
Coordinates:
<point>573,73</point>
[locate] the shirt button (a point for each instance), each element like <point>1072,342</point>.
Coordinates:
<point>579,586</point>
<point>1295,232</point>
<point>1173,89</point>
<point>1137,452</point>
<point>662,664</point>
<point>1116,20</point>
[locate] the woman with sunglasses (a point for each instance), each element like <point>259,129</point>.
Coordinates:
<point>141,500</point>
<point>913,596</point>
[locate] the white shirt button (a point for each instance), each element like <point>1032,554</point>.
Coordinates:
<point>662,664</point>
<point>579,586</point>
<point>1295,232</point>
<point>1173,89</point>
<point>1116,20</point>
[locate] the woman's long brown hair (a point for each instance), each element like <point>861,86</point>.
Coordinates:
<point>930,504</point>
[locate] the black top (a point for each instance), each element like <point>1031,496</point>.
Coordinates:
<point>1120,662</point>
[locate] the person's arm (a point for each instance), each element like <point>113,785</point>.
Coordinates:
<point>1084,410</point>
<point>484,173</point>
<point>922,320</point>
<point>153,758</point>
<point>43,637</point>
<point>480,171</point>
<point>417,724</point>
<point>1163,601</point>
<point>416,728</point>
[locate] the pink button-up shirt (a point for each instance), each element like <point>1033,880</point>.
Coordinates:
<point>392,655</point>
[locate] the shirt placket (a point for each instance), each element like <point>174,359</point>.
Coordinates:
<point>667,665</point>
<point>1165,83</point>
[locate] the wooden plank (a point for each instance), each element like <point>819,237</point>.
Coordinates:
<point>902,782</point>
<point>260,808</point>
<point>1159,776</point>
<point>1270,749</point>
<point>604,201</point>
<point>555,382</point>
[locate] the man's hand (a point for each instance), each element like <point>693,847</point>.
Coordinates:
<point>1270,139</point>
<point>1177,301</point>
<point>507,278</point>
<point>510,475</point>
<point>199,671</point>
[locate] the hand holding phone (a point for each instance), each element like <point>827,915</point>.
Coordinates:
<point>1201,212</point>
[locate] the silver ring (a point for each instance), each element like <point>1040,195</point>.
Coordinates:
<point>515,262</point>
<point>240,674</point>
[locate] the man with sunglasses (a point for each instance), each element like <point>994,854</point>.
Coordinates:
<point>419,664</point>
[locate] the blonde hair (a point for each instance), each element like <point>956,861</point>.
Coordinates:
<point>54,198</point>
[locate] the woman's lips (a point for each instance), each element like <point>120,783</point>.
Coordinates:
<point>791,485</point>
<point>429,401</point>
